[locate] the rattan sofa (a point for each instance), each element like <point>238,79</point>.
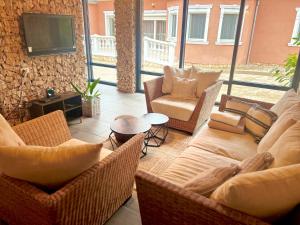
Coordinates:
<point>90,198</point>
<point>153,90</point>
<point>163,202</point>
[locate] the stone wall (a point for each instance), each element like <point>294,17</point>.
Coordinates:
<point>43,71</point>
<point>125,41</point>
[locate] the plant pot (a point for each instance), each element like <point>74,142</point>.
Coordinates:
<point>91,108</point>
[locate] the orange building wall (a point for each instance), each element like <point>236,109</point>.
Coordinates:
<point>273,31</point>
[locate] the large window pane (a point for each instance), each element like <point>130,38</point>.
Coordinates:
<point>105,74</point>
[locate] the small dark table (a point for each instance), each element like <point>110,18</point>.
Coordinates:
<point>125,128</point>
<point>159,130</point>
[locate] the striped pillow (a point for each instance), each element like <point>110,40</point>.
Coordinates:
<point>260,161</point>
<point>237,106</point>
<point>205,183</point>
<point>259,120</point>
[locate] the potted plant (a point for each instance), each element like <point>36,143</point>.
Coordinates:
<point>90,98</point>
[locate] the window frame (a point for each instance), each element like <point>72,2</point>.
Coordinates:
<point>173,10</point>
<point>198,9</point>
<point>229,9</point>
<point>107,16</point>
<point>296,29</point>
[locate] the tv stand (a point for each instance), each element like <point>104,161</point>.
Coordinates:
<point>70,103</point>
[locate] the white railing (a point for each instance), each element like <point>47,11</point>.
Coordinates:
<point>160,52</point>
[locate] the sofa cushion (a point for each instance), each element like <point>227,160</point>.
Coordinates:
<point>287,119</point>
<point>205,79</point>
<point>259,120</point>
<point>260,161</point>
<point>237,106</point>
<point>48,166</point>
<point>184,88</point>
<point>169,73</point>
<point>205,183</point>
<point>174,108</point>
<point>103,153</point>
<point>236,146</point>
<point>226,117</point>
<point>8,136</point>
<point>266,194</point>
<point>287,100</point>
<point>239,129</point>
<point>192,162</point>
<point>286,150</point>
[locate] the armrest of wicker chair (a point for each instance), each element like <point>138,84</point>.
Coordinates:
<point>153,90</point>
<point>163,203</point>
<point>225,98</point>
<point>90,198</point>
<point>48,130</point>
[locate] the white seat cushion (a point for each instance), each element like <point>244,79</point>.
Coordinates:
<point>174,108</point>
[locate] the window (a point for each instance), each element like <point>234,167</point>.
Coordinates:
<point>172,23</point>
<point>154,24</point>
<point>228,23</point>
<point>198,20</point>
<point>109,23</point>
<point>296,31</point>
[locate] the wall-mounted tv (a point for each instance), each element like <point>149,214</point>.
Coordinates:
<point>49,34</point>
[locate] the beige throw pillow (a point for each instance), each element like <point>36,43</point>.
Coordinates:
<point>266,194</point>
<point>239,129</point>
<point>237,106</point>
<point>287,100</point>
<point>184,88</point>
<point>259,120</point>
<point>260,161</point>
<point>286,150</point>
<point>205,79</point>
<point>205,183</point>
<point>48,166</point>
<point>286,120</point>
<point>169,73</point>
<point>8,136</point>
<point>226,117</point>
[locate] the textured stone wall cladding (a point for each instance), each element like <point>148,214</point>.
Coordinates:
<point>125,39</point>
<point>44,71</point>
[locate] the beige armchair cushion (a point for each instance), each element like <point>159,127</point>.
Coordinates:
<point>8,136</point>
<point>205,183</point>
<point>48,166</point>
<point>286,120</point>
<point>169,73</point>
<point>266,194</point>
<point>184,88</point>
<point>205,79</point>
<point>286,150</point>
<point>289,99</point>
<point>174,108</point>
<point>260,161</point>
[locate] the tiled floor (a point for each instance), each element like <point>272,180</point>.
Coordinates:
<point>113,103</point>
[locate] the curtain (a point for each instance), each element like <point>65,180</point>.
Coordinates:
<point>229,26</point>
<point>148,28</point>
<point>173,25</point>
<point>197,26</point>
<point>161,30</point>
<point>111,26</point>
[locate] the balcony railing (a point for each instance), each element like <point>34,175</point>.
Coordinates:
<point>159,52</point>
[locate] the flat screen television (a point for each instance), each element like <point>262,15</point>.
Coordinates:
<point>49,34</point>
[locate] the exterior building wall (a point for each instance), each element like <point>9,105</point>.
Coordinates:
<point>273,31</point>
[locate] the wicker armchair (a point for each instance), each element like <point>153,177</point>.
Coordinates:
<point>153,90</point>
<point>90,198</point>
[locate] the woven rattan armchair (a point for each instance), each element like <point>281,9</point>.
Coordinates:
<point>153,90</point>
<point>90,198</point>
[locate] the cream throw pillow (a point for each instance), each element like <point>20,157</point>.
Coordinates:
<point>169,73</point>
<point>205,183</point>
<point>205,79</point>
<point>266,194</point>
<point>239,129</point>
<point>226,117</point>
<point>8,136</point>
<point>286,150</point>
<point>237,106</point>
<point>287,119</point>
<point>184,88</point>
<point>287,100</point>
<point>260,161</point>
<point>48,166</point>
<point>259,121</point>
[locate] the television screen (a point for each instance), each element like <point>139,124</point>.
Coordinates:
<point>49,34</point>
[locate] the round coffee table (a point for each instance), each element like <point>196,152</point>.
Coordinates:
<point>157,135</point>
<point>124,128</point>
